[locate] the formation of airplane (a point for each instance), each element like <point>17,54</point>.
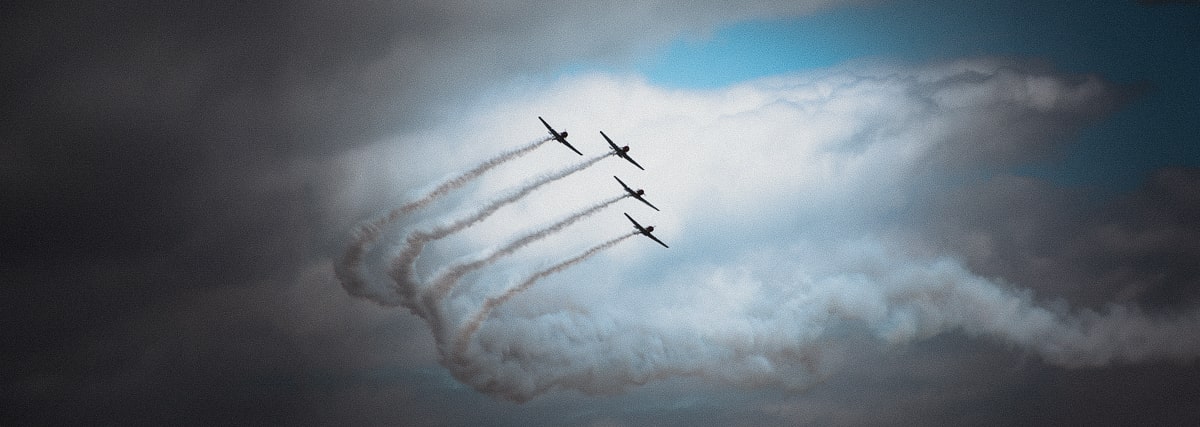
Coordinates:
<point>646,231</point>
<point>635,194</point>
<point>560,137</point>
<point>622,152</point>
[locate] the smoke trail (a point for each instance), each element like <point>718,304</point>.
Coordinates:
<point>464,335</point>
<point>402,265</point>
<point>754,326</point>
<point>366,234</point>
<point>945,296</point>
<point>446,281</point>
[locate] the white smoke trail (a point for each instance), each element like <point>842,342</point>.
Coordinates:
<point>945,296</point>
<point>464,336</point>
<point>348,270</point>
<point>403,263</point>
<point>446,281</point>
<point>754,327</point>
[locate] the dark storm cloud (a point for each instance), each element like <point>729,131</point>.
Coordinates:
<point>153,107</point>
<point>170,212</point>
<point>771,316</point>
<point>162,179</point>
<point>1138,248</point>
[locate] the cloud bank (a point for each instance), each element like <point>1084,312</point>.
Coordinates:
<point>845,161</point>
<point>178,179</point>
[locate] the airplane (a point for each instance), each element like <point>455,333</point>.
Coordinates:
<point>560,137</point>
<point>636,194</point>
<point>646,231</point>
<point>623,152</point>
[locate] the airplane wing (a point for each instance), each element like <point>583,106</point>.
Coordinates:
<point>635,224</point>
<point>651,236</point>
<point>610,143</point>
<point>564,141</point>
<point>619,151</point>
<point>630,159</point>
<point>627,189</point>
<point>647,203</point>
<point>552,131</point>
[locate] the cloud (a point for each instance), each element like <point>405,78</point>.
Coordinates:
<point>177,183</point>
<point>1065,243</point>
<point>839,159</point>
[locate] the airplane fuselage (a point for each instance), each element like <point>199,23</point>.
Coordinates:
<point>635,194</point>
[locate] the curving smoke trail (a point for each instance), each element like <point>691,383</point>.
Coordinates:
<point>447,280</point>
<point>754,327</point>
<point>752,330</point>
<point>366,234</point>
<point>775,316</point>
<point>464,336</point>
<point>403,263</point>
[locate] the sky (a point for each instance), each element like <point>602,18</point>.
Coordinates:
<point>878,212</point>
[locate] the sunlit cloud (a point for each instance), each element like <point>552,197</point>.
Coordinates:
<point>834,159</point>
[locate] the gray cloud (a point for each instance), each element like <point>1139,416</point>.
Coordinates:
<point>177,181</point>
<point>774,315</point>
<point>153,153</point>
<point>1064,244</point>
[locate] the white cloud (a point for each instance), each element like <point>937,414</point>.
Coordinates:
<point>774,195</point>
